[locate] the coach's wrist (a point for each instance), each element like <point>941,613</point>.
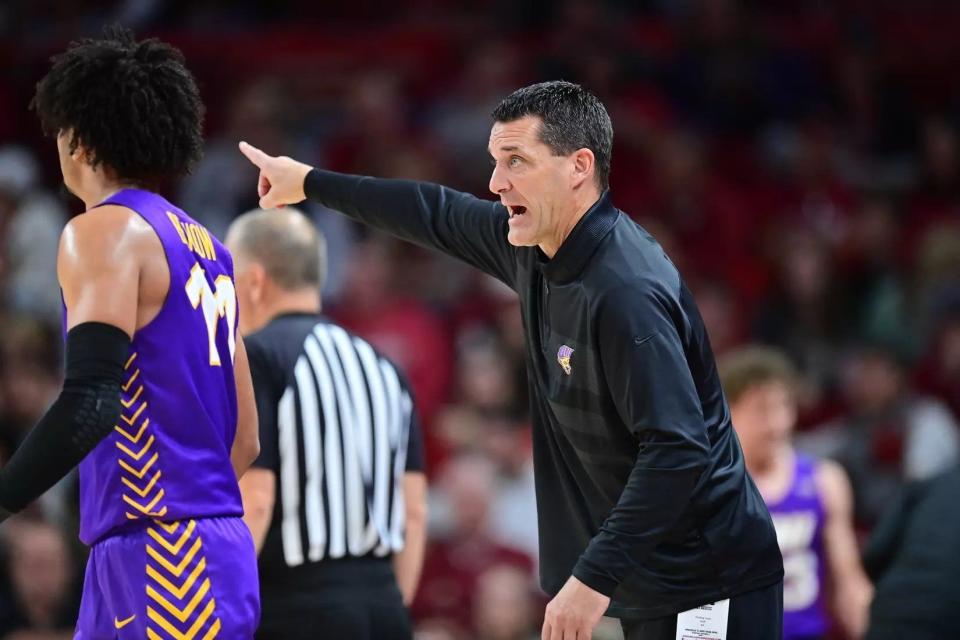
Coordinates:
<point>312,189</point>
<point>596,580</point>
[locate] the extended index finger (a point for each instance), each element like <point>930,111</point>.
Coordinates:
<point>253,154</point>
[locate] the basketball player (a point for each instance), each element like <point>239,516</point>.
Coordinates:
<point>157,405</point>
<point>810,500</point>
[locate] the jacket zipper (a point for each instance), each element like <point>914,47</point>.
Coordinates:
<point>546,309</point>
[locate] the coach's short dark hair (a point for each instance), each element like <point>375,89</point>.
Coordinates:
<point>133,105</point>
<point>573,118</point>
<point>291,249</point>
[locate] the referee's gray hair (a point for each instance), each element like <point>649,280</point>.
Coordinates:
<point>291,249</point>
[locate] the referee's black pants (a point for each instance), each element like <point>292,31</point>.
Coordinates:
<point>355,599</point>
<point>755,615</point>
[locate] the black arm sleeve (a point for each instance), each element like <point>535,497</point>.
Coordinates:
<point>458,224</point>
<point>83,415</point>
<point>645,366</point>
<point>267,390</point>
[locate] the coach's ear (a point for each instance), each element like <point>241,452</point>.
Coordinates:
<point>581,167</point>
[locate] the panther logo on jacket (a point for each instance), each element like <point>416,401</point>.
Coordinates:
<point>563,357</point>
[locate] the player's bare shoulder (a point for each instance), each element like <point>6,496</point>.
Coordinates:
<point>115,242</point>
<point>833,486</point>
<point>830,474</point>
<point>108,233</point>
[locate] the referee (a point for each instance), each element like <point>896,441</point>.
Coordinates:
<point>336,501</point>
<point>645,508</point>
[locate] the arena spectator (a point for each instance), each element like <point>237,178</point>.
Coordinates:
<point>44,594</point>
<point>889,435</point>
<point>463,547</point>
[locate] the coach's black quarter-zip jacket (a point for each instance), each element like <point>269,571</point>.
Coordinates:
<point>642,492</point>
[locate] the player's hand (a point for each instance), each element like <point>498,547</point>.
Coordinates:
<point>574,612</point>
<point>281,178</point>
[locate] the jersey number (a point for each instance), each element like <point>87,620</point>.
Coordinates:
<point>215,304</point>
<point>801,584</point>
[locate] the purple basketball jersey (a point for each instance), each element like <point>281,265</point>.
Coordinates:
<point>169,456</point>
<point>798,518</point>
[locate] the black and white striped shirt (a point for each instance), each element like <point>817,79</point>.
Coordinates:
<point>338,427</point>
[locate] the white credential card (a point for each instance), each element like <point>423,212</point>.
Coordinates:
<point>708,622</point>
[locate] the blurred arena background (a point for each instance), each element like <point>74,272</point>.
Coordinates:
<point>798,159</point>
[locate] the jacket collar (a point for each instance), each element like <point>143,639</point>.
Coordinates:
<point>583,240</point>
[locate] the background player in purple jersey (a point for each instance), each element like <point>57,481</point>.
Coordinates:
<point>809,499</point>
<point>157,404</point>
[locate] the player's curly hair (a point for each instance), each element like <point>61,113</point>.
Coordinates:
<point>133,106</point>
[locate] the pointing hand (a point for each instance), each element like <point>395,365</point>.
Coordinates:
<point>281,178</point>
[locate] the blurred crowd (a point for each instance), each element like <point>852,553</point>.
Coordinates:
<point>798,160</point>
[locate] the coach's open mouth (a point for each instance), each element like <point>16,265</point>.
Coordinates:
<point>517,210</point>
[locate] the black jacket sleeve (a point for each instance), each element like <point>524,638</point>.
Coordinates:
<point>427,214</point>
<point>644,363</point>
